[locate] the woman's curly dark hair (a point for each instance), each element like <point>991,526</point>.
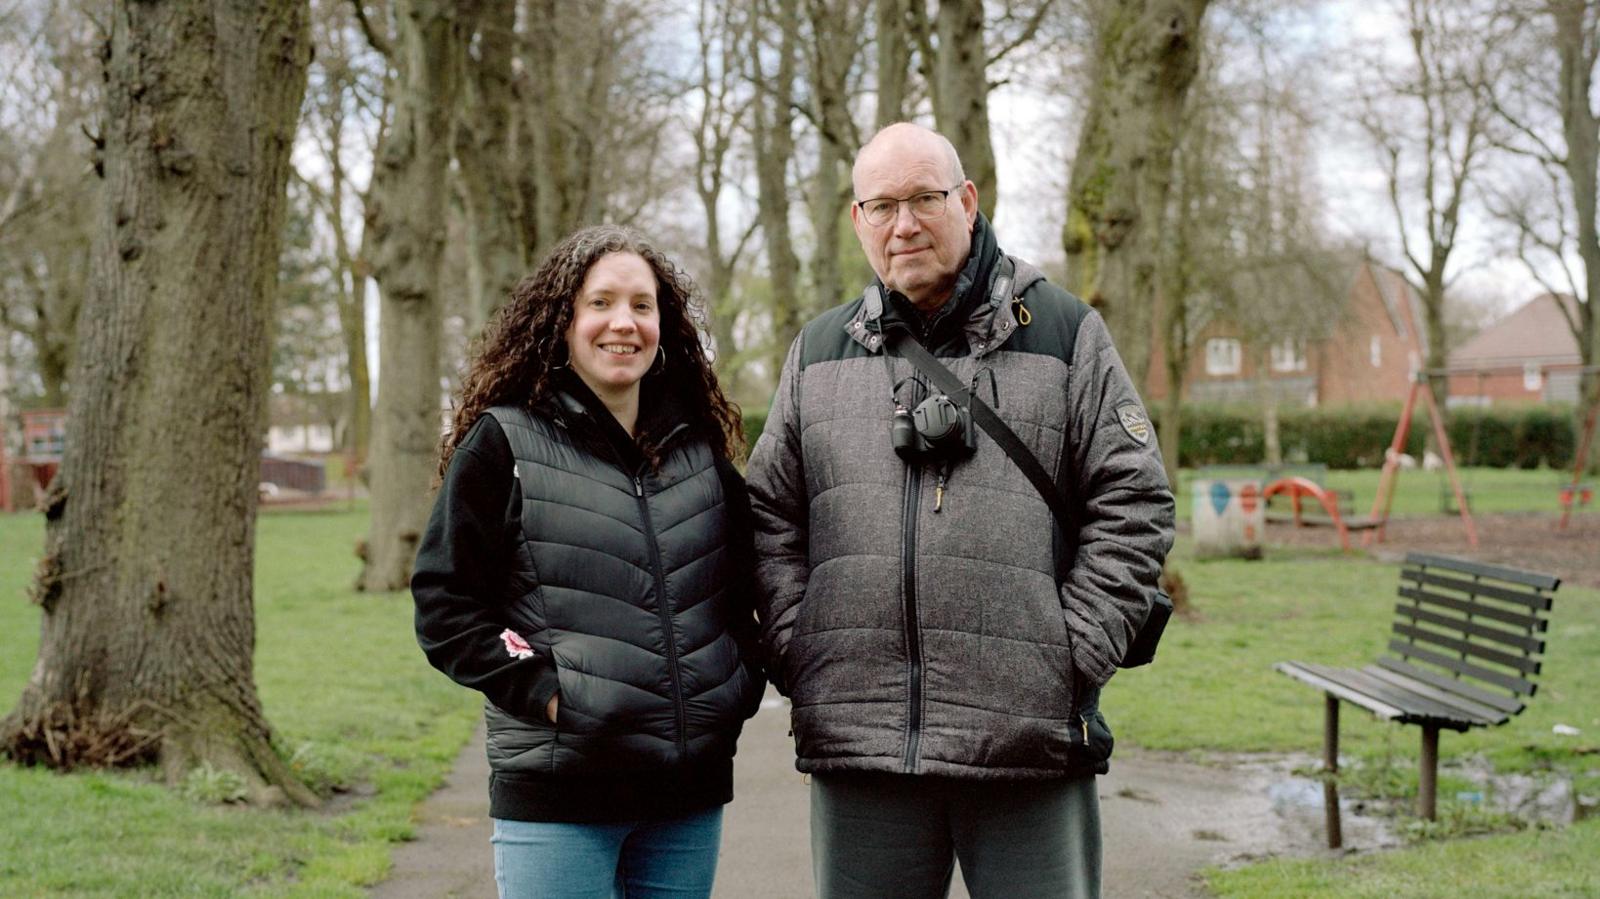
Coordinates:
<point>525,342</point>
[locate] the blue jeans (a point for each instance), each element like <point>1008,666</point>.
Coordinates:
<point>671,859</point>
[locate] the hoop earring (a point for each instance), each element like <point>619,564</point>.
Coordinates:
<point>557,351</point>
<point>660,365</point>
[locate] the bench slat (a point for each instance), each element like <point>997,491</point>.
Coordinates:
<point>1523,664</point>
<point>1488,714</point>
<point>1414,703</point>
<point>1514,575</point>
<point>1537,601</point>
<point>1507,704</point>
<point>1527,622</point>
<point>1303,673</point>
<point>1384,699</point>
<point>1530,645</point>
<point>1411,650</point>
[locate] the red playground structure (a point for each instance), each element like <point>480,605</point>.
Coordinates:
<point>44,437</point>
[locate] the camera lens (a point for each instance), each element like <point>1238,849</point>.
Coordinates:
<point>937,419</point>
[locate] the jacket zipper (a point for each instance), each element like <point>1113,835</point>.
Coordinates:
<point>908,554</point>
<point>662,607</point>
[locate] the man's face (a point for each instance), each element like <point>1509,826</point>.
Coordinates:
<point>917,257</point>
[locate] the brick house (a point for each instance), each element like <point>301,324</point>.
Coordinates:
<point>1365,353</point>
<point>1530,356</point>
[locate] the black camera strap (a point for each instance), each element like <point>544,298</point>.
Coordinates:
<point>998,430</point>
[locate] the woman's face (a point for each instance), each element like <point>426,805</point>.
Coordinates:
<point>616,325</point>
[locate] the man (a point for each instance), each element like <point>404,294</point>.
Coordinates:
<point>943,645</point>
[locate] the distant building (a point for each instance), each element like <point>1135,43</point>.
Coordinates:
<point>1530,356</point>
<point>1365,353</point>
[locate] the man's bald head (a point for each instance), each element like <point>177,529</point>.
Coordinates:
<point>906,138</point>
<point>920,250</point>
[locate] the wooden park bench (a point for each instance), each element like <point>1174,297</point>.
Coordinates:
<point>1464,652</point>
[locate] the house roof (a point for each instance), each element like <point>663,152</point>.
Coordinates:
<point>1401,305</point>
<point>1535,333</point>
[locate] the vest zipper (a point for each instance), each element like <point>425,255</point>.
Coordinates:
<point>665,612</point>
<point>913,628</point>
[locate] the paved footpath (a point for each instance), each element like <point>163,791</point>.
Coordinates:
<point>1162,819</point>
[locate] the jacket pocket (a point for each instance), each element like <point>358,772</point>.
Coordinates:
<point>1091,741</point>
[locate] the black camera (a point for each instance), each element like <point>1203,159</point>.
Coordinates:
<point>937,430</point>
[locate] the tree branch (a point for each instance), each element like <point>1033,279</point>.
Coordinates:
<point>378,41</point>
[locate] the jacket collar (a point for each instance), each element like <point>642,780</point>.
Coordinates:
<point>982,308</point>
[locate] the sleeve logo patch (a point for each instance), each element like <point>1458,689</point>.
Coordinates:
<point>1135,422</point>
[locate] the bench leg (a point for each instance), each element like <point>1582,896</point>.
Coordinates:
<point>1330,768</point>
<point>1428,774</point>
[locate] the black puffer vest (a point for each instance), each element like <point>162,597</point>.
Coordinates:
<point>622,579</point>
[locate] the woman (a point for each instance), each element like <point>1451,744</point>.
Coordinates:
<point>585,567</point>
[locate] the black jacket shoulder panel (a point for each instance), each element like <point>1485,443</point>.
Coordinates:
<point>1054,317</point>
<point>825,338</point>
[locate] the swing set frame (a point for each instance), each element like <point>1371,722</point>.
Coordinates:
<point>1391,466</point>
<point>1377,521</point>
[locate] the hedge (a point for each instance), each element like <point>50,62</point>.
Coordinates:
<point>1357,436</point>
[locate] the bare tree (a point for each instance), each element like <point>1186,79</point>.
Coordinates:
<point>892,31</point>
<point>724,104</point>
<point>486,145</point>
<point>1549,120</point>
<point>148,621</point>
<point>835,68</point>
<point>1430,126</point>
<point>1242,243</point>
<point>47,201</point>
<point>1146,54</point>
<point>773,70</point>
<point>957,66</point>
<point>405,216</point>
<point>344,100</point>
<point>596,106</point>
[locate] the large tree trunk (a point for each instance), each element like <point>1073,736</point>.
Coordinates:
<point>406,217</point>
<point>148,628</point>
<point>1146,56</point>
<point>961,98</point>
<point>485,152</point>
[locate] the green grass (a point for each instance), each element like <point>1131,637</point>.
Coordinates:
<point>342,681</point>
<point>1417,492</point>
<point>1515,866</point>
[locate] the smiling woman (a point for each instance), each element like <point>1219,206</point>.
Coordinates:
<point>584,569</point>
<point>615,333</point>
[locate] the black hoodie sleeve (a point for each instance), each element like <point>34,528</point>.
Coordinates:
<point>741,544</point>
<point>464,554</point>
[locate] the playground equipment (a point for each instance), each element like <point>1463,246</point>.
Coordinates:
<point>1297,488</point>
<point>1577,491</point>
<point>1384,500</point>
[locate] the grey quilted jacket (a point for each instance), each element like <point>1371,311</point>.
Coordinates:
<point>955,632</point>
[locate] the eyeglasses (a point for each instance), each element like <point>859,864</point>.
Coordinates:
<point>928,205</point>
